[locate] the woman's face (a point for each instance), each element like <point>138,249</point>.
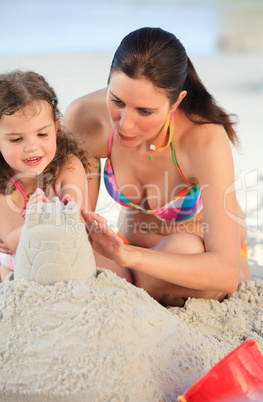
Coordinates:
<point>137,109</point>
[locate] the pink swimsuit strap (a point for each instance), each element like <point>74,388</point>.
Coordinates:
<point>19,188</point>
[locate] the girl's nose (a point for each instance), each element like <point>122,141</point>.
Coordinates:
<point>30,146</point>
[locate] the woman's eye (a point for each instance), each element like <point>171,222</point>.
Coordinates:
<point>117,102</point>
<point>145,112</point>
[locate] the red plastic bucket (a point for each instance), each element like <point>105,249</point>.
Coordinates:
<point>238,374</point>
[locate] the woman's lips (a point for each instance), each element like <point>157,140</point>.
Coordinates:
<point>33,161</point>
<point>123,137</point>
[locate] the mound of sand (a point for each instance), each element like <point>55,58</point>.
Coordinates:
<point>70,332</point>
<point>106,340</point>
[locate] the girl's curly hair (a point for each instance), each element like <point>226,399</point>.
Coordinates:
<point>19,89</point>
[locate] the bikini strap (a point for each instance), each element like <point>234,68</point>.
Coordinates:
<point>19,188</point>
<point>178,167</point>
<point>110,144</point>
<point>55,192</point>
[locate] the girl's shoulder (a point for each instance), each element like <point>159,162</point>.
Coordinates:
<point>71,178</point>
<point>73,164</point>
<point>88,119</point>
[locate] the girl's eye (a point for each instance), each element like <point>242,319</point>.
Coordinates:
<point>16,139</point>
<point>42,134</point>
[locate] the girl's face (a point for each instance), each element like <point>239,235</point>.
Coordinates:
<point>28,138</point>
<point>137,109</point>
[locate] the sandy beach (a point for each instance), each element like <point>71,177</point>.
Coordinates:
<point>103,339</point>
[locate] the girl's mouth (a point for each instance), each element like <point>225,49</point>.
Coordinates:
<point>33,161</point>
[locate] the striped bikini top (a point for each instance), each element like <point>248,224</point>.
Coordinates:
<point>182,207</point>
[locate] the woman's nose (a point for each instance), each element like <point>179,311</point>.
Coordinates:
<point>126,120</point>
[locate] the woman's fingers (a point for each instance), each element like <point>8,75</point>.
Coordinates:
<point>98,218</point>
<point>96,224</point>
<point>88,219</point>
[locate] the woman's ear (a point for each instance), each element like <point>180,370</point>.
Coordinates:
<point>179,100</point>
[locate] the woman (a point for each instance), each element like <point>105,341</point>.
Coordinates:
<point>170,166</point>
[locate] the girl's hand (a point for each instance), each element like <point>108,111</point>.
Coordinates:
<point>4,249</point>
<point>103,239</point>
<point>37,197</point>
<point>66,198</point>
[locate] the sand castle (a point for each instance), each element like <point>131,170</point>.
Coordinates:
<point>54,245</point>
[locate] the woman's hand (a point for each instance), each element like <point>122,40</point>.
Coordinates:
<point>104,240</point>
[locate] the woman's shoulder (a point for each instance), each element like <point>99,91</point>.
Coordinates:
<point>88,119</point>
<point>200,146</point>
<point>203,136</point>
<point>86,109</point>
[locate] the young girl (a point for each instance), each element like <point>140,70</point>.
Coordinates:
<point>34,153</point>
<point>170,167</point>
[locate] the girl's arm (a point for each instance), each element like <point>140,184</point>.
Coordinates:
<point>218,267</point>
<point>3,248</point>
<point>72,182</point>
<point>11,223</point>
